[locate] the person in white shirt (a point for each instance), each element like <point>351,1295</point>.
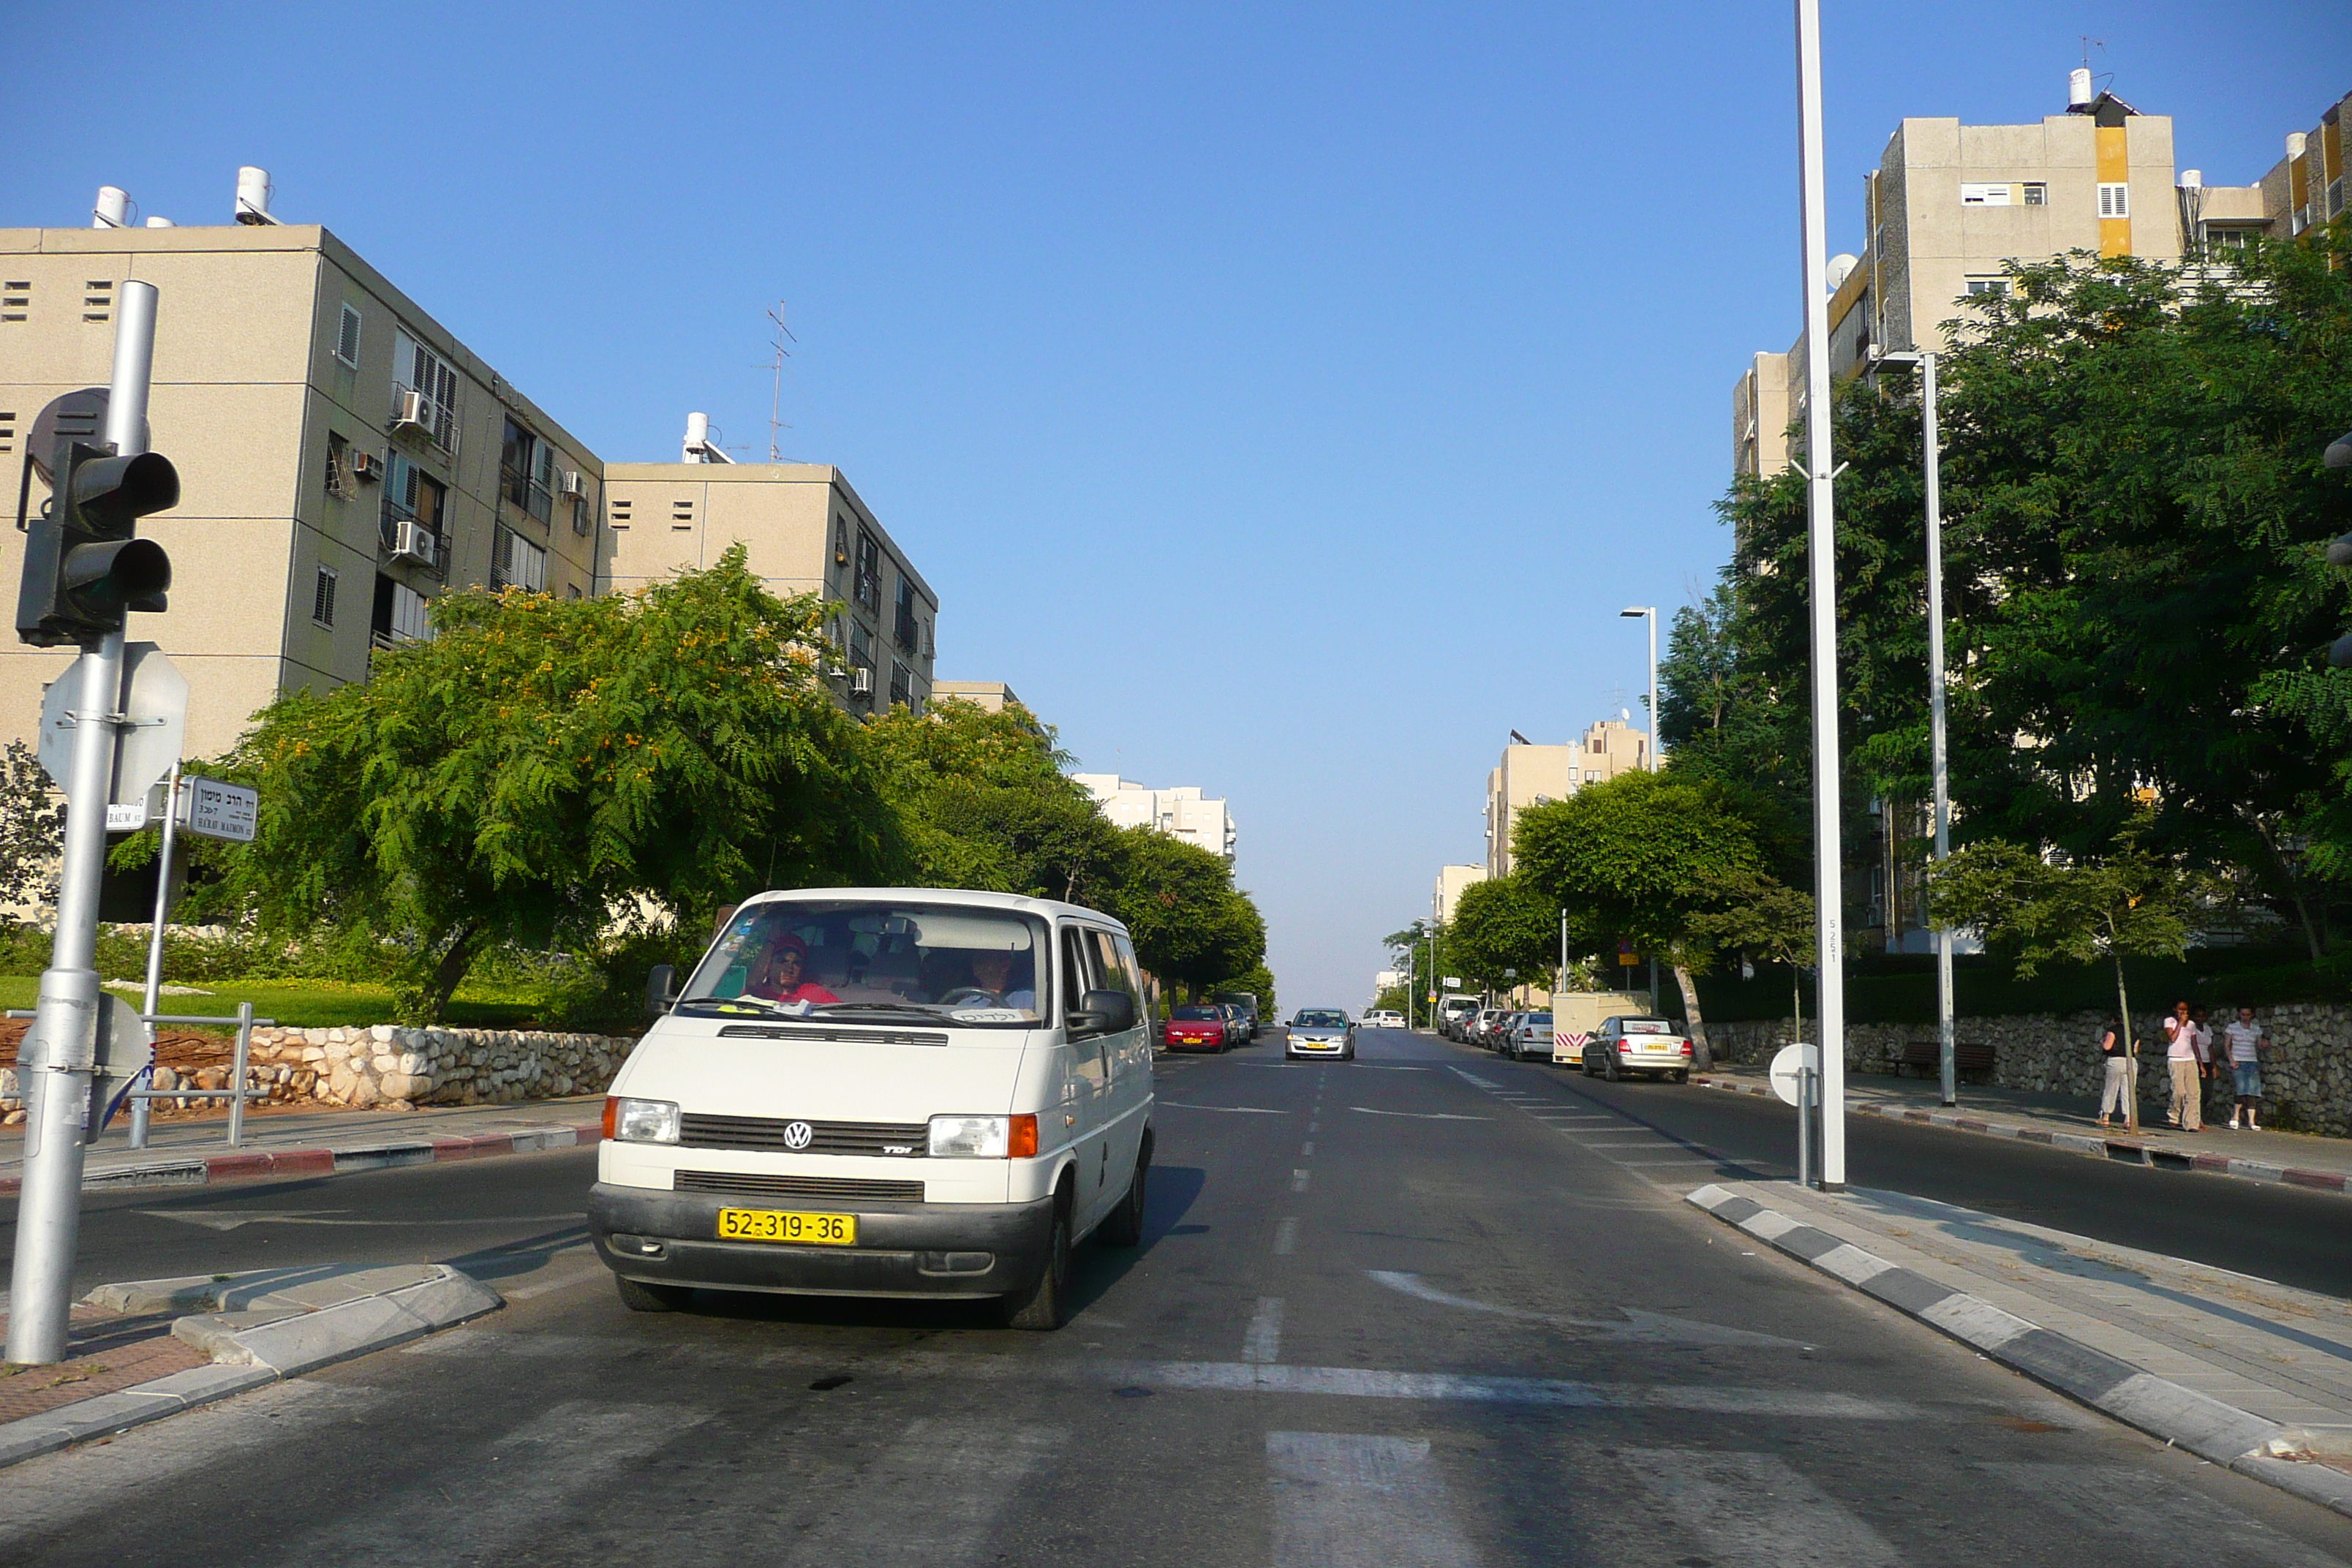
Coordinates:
<point>2184,1053</point>
<point>2246,1042</point>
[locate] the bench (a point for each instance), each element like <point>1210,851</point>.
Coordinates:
<point>1927,1056</point>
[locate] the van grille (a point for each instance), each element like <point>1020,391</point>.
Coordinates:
<point>847,1188</point>
<point>900,1140</point>
<point>830,1036</point>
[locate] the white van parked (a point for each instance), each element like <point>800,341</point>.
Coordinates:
<point>883,1092</point>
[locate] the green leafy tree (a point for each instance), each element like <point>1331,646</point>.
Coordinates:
<point>1745,911</point>
<point>1637,857</point>
<point>539,764</point>
<point>2130,902</point>
<point>32,829</point>
<point>1505,932</point>
<point>1191,925</point>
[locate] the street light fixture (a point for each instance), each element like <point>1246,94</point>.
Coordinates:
<point>1937,758</point>
<point>1649,613</point>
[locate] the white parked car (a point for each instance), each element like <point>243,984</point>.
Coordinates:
<point>883,1092</point>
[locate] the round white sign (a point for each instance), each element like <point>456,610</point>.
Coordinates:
<point>1789,1063</point>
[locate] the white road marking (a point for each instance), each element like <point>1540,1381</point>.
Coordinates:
<point>1473,1078</point>
<point>1756,1511</point>
<point>1307,1150</point>
<point>569,1281</point>
<point>233,1220</point>
<point>1369,1382</point>
<point>1286,1237</point>
<point>2162,1519</point>
<point>49,1493</point>
<point>1297,1181</point>
<point>1639,1327</point>
<point>941,1487</point>
<point>1344,1501</point>
<point>1238,1110</point>
<point>1262,1344</point>
<point>1419,1115</point>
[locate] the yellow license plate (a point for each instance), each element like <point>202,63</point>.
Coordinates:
<point>800,1230</point>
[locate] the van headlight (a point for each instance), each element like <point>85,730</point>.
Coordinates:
<point>984,1137</point>
<point>641,1121</point>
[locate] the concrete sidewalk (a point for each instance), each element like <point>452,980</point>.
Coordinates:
<point>2237,1370</point>
<point>2066,1122</point>
<point>321,1143</point>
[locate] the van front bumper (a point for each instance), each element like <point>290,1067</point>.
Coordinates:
<point>903,1249</point>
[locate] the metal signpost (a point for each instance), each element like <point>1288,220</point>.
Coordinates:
<point>212,810</point>
<point>84,570</point>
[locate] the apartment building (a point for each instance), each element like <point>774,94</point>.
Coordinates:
<point>1452,882</point>
<point>343,457</point>
<point>1948,207</point>
<point>2306,186</point>
<point>1530,775</point>
<point>988,696</point>
<point>804,530</point>
<point>1181,813</point>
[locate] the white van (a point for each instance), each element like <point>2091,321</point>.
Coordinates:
<point>887,1091</point>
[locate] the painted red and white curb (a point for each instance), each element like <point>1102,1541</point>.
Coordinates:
<point>260,1164</point>
<point>2124,1150</point>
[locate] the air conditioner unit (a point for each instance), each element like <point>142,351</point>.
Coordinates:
<point>367,467</point>
<point>861,682</point>
<point>415,542</point>
<point>574,482</point>
<point>412,412</point>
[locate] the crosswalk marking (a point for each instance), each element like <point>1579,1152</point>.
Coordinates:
<point>1756,1511</point>
<point>1347,1501</point>
<point>941,1485</point>
<point>1263,1342</point>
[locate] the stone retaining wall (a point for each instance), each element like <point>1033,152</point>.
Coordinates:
<point>2306,1075</point>
<point>396,1069</point>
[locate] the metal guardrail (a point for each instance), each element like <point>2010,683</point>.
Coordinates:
<point>237,1095</point>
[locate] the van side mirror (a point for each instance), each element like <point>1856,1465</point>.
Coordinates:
<point>661,989</point>
<point>1103,1012</point>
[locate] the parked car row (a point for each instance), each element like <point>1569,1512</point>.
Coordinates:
<point>1623,1047</point>
<point>1205,1026</point>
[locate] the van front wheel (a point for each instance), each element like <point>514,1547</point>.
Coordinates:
<point>1124,1227</point>
<point>1046,1305</point>
<point>640,1297</point>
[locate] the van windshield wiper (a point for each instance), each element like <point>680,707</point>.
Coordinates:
<point>895,1009</point>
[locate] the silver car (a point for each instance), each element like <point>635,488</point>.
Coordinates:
<point>1529,1036</point>
<point>1320,1032</point>
<point>1646,1047</point>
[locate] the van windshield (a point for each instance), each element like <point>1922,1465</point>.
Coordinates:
<point>869,961</point>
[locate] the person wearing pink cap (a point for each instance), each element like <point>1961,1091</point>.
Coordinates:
<point>777,977</point>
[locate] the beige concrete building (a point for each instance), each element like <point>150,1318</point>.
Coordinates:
<point>2306,186</point>
<point>804,530</point>
<point>988,696</point>
<point>1182,812</point>
<point>342,458</point>
<point>1452,882</point>
<point>1532,774</point>
<point>1947,208</point>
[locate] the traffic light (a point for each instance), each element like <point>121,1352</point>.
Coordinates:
<point>84,564</point>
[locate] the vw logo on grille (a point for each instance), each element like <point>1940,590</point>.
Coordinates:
<point>798,1134</point>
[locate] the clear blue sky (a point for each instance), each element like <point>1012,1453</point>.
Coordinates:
<point>1283,400</point>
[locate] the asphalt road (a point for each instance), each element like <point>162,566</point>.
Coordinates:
<point>1383,1316</point>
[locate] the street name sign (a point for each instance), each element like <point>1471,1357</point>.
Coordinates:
<point>218,810</point>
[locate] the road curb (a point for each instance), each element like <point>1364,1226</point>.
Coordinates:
<point>2124,1150</point>
<point>2252,1444</point>
<point>323,1162</point>
<point>280,1323</point>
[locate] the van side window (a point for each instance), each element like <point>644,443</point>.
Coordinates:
<point>1077,974</point>
<point>1115,974</point>
<point>1134,972</point>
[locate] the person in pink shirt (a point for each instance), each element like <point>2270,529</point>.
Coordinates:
<point>2185,1054</point>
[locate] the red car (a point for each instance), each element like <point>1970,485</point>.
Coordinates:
<point>1195,1027</point>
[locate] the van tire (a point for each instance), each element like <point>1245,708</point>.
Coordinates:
<point>638,1296</point>
<point>1124,1225</point>
<point>1046,1304</point>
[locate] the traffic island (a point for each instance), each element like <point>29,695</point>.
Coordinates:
<point>2239,1372</point>
<point>219,1336</point>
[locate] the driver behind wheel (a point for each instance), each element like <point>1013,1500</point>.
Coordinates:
<point>995,970</point>
<point>777,977</point>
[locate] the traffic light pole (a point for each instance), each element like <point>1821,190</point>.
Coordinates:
<point>61,1048</point>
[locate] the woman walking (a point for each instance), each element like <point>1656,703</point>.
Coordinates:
<point>2115,1097</point>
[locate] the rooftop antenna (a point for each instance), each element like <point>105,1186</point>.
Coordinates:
<point>776,366</point>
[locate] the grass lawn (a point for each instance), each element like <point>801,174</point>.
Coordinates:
<point>316,1004</point>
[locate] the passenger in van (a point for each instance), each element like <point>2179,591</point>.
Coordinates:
<point>777,977</point>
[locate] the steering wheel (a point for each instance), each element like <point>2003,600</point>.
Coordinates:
<point>964,996</point>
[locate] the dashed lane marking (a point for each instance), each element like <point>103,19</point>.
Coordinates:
<point>1262,1342</point>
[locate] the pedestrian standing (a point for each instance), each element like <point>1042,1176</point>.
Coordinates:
<point>2185,1055</point>
<point>2246,1043</point>
<point>2114,1049</point>
<point>2216,1084</point>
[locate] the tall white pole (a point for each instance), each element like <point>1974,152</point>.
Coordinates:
<point>1939,760</point>
<point>61,1048</point>
<point>1658,741</point>
<point>1822,562</point>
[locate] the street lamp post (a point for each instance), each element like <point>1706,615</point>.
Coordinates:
<point>1650,613</point>
<point>1939,758</point>
<point>1820,549</point>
